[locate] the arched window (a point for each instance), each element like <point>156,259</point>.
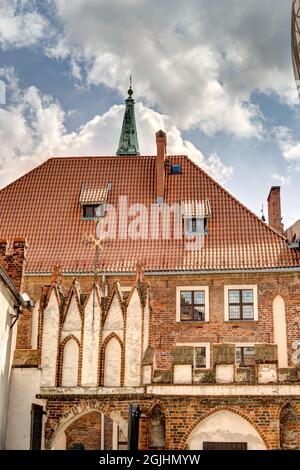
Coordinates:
<point>112,363</point>
<point>69,377</point>
<point>289,438</point>
<point>157,428</point>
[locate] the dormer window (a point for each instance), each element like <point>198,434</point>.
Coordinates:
<point>195,226</point>
<point>92,211</point>
<point>93,200</point>
<point>196,215</point>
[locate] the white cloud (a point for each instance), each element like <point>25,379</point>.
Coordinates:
<point>32,129</point>
<point>283,180</point>
<point>20,24</point>
<point>198,61</point>
<point>289,147</point>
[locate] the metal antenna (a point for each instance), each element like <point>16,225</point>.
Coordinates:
<point>262,213</point>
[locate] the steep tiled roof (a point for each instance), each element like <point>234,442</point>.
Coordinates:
<point>44,206</point>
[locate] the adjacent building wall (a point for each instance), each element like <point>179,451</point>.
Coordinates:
<point>7,345</point>
<point>25,385</point>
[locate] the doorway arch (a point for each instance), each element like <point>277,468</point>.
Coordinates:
<point>225,427</point>
<point>59,439</point>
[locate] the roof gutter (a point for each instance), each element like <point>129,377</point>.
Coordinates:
<point>174,273</point>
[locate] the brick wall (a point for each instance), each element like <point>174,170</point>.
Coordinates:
<point>108,433</point>
<point>182,414</point>
<point>165,331</point>
<point>13,258</point>
<point>85,430</point>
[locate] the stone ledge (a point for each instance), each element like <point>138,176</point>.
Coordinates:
<point>26,358</point>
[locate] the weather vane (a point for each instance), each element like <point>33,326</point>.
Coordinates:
<point>98,245</point>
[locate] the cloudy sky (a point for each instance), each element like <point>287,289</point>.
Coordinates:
<point>216,75</point>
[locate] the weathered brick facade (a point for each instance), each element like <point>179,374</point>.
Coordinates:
<point>182,414</point>
<point>266,413</point>
<point>90,349</point>
<point>165,331</point>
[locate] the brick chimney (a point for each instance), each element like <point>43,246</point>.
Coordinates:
<point>14,262</point>
<point>274,209</point>
<point>161,144</point>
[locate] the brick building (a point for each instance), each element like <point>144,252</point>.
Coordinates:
<point>196,320</point>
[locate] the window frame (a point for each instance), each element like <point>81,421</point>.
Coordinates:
<point>226,303</point>
<point>180,289</point>
<point>243,346</point>
<point>199,345</point>
<point>95,207</point>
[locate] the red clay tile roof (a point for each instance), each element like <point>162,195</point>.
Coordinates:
<point>44,206</point>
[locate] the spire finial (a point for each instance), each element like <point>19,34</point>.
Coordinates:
<point>130,92</point>
<point>128,144</point>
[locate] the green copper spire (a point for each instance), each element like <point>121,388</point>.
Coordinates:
<point>128,144</point>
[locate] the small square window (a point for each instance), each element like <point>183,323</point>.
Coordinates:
<point>241,304</point>
<point>245,356</point>
<point>200,358</point>
<point>192,305</point>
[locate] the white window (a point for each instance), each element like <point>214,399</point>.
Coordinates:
<point>240,303</point>
<point>192,304</point>
<point>201,354</point>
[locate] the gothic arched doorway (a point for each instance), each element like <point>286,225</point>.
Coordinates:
<point>225,430</point>
<point>90,430</point>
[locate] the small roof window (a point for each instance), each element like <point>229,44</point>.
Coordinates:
<point>196,215</point>
<point>93,199</point>
<point>176,169</point>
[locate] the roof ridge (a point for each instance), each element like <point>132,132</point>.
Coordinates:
<point>226,191</point>
<point>83,157</point>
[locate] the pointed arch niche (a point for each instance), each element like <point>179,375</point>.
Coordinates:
<point>70,359</point>
<point>157,428</point>
<point>112,362</point>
